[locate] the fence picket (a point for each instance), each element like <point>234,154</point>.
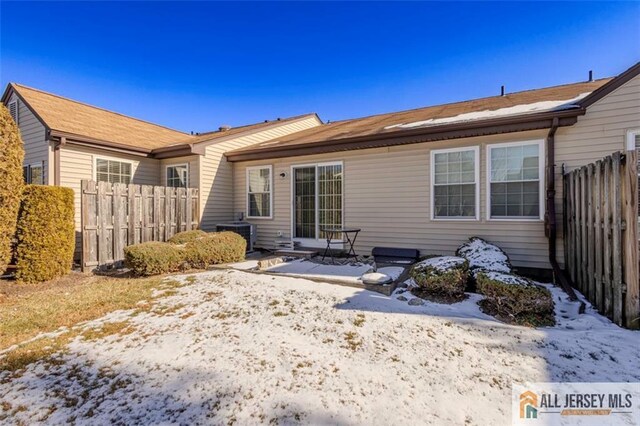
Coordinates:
<point>630,241</point>
<point>616,240</point>
<point>598,235</point>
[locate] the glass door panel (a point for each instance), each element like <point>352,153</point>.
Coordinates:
<point>304,187</point>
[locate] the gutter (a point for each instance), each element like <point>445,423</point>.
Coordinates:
<point>56,159</point>
<point>542,120</point>
<point>551,230</point>
<point>158,153</point>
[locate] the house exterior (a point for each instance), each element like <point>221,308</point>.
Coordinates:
<point>427,178</point>
<point>430,178</point>
<point>67,141</point>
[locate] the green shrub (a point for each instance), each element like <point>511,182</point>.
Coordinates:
<point>11,184</point>
<point>516,299</point>
<point>45,233</point>
<point>153,258</point>
<point>186,236</point>
<point>446,275</point>
<point>215,248</point>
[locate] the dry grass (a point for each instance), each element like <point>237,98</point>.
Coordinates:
<point>25,314</point>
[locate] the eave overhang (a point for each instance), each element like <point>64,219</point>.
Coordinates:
<point>543,120</point>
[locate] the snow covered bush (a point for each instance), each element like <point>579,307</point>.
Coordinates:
<point>153,258</point>
<point>186,236</point>
<point>512,298</point>
<point>445,275</point>
<point>484,256</point>
<point>215,248</point>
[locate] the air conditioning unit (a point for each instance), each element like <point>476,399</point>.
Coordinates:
<point>247,230</point>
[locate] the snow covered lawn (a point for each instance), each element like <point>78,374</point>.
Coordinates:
<point>236,347</point>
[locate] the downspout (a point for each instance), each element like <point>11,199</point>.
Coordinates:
<point>550,215</point>
<point>56,160</point>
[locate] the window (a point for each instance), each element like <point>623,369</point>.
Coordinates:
<point>37,174</point>
<point>514,180</point>
<point>178,175</point>
<point>34,173</point>
<point>113,171</point>
<point>259,187</point>
<point>13,110</point>
<point>454,182</point>
<point>633,143</point>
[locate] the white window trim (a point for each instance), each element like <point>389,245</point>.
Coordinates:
<point>631,139</point>
<point>476,151</point>
<point>166,173</point>
<point>267,166</point>
<point>104,157</point>
<point>541,180</point>
<point>17,119</point>
<point>314,242</point>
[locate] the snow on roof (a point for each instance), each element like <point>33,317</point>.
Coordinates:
<point>541,106</point>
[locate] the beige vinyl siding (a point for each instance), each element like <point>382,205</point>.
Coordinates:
<point>600,132</point>
<point>77,163</point>
<point>36,148</point>
<point>194,166</point>
<point>387,194</point>
<point>216,174</point>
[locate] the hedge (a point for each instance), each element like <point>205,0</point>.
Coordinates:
<point>186,236</point>
<point>516,299</point>
<point>215,248</point>
<point>446,275</point>
<point>11,184</point>
<point>45,233</point>
<point>153,258</point>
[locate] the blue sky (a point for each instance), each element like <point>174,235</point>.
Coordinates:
<point>193,66</point>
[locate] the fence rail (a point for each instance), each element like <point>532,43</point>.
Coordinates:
<point>601,235</point>
<point>117,215</point>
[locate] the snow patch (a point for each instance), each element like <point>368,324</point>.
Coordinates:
<point>483,255</point>
<point>542,106</point>
<point>507,278</point>
<point>441,263</point>
<point>306,269</point>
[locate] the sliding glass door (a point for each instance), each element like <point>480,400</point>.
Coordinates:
<point>317,200</point>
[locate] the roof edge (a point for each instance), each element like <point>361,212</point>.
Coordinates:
<point>16,87</point>
<point>541,120</point>
<point>271,125</point>
<point>12,88</point>
<point>609,87</point>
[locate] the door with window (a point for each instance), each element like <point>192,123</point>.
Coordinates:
<point>317,201</point>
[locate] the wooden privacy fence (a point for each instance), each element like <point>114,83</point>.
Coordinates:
<point>118,215</point>
<point>601,235</point>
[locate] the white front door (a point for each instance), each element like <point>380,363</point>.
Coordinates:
<point>317,201</point>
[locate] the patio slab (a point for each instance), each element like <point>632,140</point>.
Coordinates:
<point>349,274</point>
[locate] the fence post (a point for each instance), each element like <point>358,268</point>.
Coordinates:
<point>630,241</point>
